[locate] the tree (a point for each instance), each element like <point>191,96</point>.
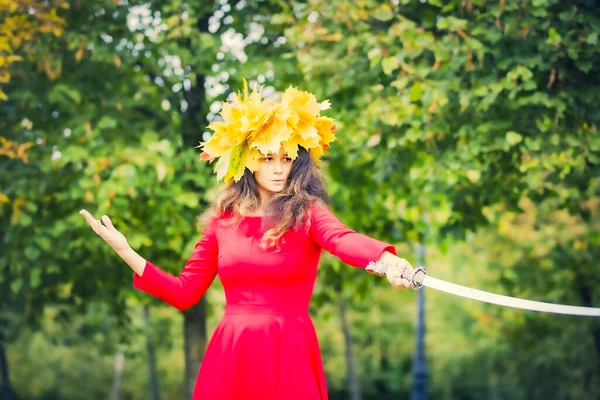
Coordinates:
<point>449,113</point>
<point>119,143</point>
<point>451,110</point>
<point>105,140</point>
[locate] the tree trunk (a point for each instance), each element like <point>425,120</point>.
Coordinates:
<point>493,388</point>
<point>194,327</point>
<point>418,390</point>
<point>151,355</point>
<point>351,376</point>
<point>195,115</point>
<point>7,392</point>
<point>116,386</point>
<point>195,317</point>
<point>192,127</point>
<point>586,296</point>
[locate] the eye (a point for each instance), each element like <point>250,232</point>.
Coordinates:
<point>288,159</point>
<point>268,158</point>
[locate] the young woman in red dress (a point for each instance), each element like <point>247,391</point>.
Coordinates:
<point>263,237</point>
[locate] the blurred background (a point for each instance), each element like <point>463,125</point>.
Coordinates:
<point>467,135</point>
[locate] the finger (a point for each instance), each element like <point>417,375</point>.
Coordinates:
<point>394,281</point>
<point>402,264</point>
<point>88,217</point>
<point>94,223</point>
<point>399,282</point>
<point>398,270</point>
<point>107,222</point>
<point>100,229</point>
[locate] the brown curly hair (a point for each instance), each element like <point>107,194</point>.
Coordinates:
<point>288,209</point>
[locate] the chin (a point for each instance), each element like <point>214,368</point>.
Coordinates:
<point>275,188</point>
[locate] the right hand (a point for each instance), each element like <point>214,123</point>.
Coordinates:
<point>107,231</point>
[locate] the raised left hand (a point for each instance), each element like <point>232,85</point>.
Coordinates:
<point>107,231</point>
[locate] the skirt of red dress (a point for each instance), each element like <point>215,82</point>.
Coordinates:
<point>258,352</point>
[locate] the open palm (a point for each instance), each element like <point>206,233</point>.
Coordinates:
<point>107,231</point>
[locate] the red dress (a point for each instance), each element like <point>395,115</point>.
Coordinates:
<point>265,346</point>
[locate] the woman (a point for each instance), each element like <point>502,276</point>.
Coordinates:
<point>263,237</point>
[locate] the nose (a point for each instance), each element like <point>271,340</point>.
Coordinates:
<point>277,168</point>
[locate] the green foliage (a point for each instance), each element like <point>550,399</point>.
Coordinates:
<point>453,116</point>
<point>80,355</point>
<point>459,107</point>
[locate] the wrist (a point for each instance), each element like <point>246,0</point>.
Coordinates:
<point>388,258</point>
<point>133,259</point>
<point>123,250</point>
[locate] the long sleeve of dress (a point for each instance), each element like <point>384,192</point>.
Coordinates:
<point>352,248</point>
<point>198,273</point>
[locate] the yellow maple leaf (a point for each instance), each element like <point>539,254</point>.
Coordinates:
<point>252,126</point>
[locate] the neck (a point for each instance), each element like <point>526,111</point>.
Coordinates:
<point>265,196</point>
<point>264,199</point>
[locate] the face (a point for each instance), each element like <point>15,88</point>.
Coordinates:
<point>272,173</point>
